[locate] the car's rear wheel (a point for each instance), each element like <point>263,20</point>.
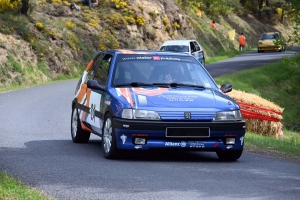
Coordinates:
<point>229,155</point>
<point>109,145</point>
<point>78,134</point>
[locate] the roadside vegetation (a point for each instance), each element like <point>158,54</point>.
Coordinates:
<point>13,189</point>
<point>278,83</point>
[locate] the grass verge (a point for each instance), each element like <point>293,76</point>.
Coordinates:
<point>11,188</point>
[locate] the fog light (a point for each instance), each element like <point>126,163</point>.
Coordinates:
<point>230,141</point>
<point>139,141</point>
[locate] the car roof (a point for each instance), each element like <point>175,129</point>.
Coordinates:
<point>145,52</point>
<point>270,33</point>
<point>177,42</point>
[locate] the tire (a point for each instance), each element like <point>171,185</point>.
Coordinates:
<point>77,133</point>
<point>109,144</point>
<point>258,51</point>
<point>229,155</point>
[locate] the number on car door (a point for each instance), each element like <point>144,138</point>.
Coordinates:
<point>95,98</point>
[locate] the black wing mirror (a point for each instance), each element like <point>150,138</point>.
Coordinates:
<point>226,88</point>
<point>93,84</point>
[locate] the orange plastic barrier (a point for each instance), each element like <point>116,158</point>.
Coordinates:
<point>258,108</point>
<point>246,113</point>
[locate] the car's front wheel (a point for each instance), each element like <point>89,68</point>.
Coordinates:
<point>229,155</point>
<point>78,134</point>
<point>109,145</point>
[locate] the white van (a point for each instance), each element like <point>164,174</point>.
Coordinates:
<point>191,47</point>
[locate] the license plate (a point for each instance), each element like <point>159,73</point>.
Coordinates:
<point>191,132</point>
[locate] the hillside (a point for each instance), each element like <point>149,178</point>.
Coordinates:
<point>53,41</point>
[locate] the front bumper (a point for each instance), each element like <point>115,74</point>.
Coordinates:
<point>269,48</point>
<point>155,134</point>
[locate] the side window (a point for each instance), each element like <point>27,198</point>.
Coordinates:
<point>162,48</point>
<point>193,48</point>
<point>103,69</point>
<point>92,71</point>
<point>197,46</point>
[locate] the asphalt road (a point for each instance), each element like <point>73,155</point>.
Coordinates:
<point>36,146</point>
<point>248,60</point>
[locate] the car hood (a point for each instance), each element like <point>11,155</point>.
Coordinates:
<point>176,98</point>
<point>267,42</point>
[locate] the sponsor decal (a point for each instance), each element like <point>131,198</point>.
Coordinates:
<point>176,59</point>
<point>217,144</point>
<point>156,58</point>
<point>123,138</point>
<point>197,144</point>
<point>138,146</point>
<point>92,111</point>
<point>108,99</point>
<point>187,115</point>
<point>139,135</point>
<point>183,144</point>
<point>229,147</point>
<point>242,140</point>
<point>144,58</point>
<point>119,110</point>
<point>175,144</point>
<point>170,58</point>
<point>125,126</point>
<point>185,98</point>
<point>230,135</point>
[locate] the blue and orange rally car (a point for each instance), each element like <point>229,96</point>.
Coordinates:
<point>138,100</point>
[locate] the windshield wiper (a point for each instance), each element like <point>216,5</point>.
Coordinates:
<point>185,85</point>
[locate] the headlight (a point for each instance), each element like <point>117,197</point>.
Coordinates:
<point>228,115</point>
<point>260,43</point>
<point>140,114</point>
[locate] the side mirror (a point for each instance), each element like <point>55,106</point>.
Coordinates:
<point>95,85</point>
<point>226,88</point>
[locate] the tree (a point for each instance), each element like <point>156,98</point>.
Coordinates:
<point>295,36</point>
<point>25,7</point>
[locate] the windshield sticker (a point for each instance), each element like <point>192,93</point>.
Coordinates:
<point>157,58</point>
<point>179,97</point>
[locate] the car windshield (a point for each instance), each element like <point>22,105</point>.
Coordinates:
<point>269,36</point>
<point>176,48</point>
<point>160,71</point>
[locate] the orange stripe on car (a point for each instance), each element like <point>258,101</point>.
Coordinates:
<point>88,95</point>
<point>84,127</point>
<point>89,66</point>
<point>81,92</point>
<point>126,93</point>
